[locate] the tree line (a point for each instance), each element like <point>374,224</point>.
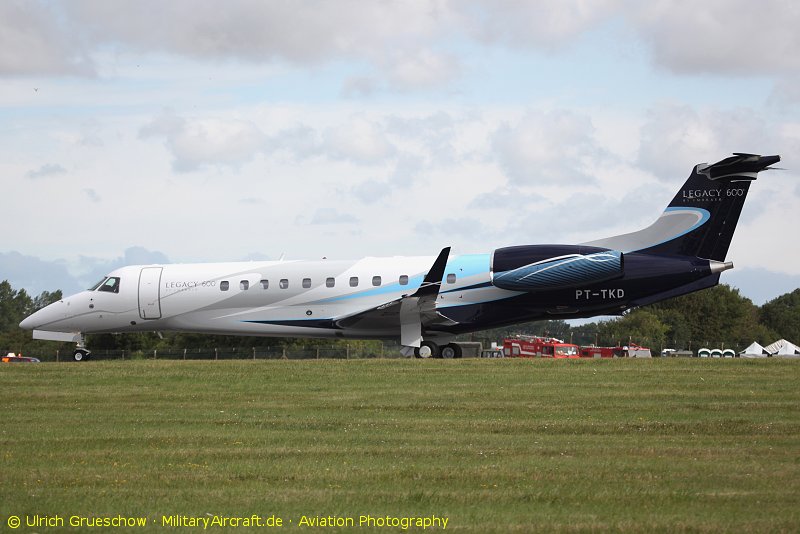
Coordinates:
<point>712,318</point>
<point>718,317</point>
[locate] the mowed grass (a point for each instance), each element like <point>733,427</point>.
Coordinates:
<point>494,445</point>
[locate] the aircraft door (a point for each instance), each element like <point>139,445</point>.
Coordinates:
<point>149,293</point>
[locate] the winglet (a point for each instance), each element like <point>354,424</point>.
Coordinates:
<point>433,280</point>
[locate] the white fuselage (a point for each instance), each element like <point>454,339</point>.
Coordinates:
<point>273,298</point>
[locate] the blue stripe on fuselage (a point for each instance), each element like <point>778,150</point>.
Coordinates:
<point>463,266</point>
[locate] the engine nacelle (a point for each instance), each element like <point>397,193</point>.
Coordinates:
<point>547,267</point>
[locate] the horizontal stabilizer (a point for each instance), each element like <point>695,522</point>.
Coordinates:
<point>740,165</point>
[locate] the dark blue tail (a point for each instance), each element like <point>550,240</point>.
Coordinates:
<point>702,217</point>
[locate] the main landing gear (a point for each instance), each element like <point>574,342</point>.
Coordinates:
<point>428,349</point>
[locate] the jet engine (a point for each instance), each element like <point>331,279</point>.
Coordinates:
<point>548,267</point>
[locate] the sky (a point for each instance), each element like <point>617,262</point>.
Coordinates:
<point>198,130</point>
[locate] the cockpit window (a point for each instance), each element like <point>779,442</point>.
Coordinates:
<point>110,284</point>
<point>98,284</point>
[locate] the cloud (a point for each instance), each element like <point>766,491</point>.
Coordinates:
<point>199,143</point>
<point>502,198</point>
<point>406,170</point>
<point>547,148</point>
<point>728,37</point>
<point>675,137</point>
<point>466,227</point>
<point>256,31</point>
<point>358,140</point>
<point>36,275</point>
<point>140,256</point>
<point>48,169</point>
<point>436,132</point>
<point>786,92</point>
<point>356,86</point>
<point>397,46</point>
<point>525,215</point>
<point>545,24</point>
<point>34,42</point>
<point>332,216</point>
<point>407,70</point>
<point>371,191</point>
<point>300,141</point>
<point>92,195</point>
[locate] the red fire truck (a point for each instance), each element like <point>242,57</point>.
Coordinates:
<point>538,347</point>
<point>631,350</point>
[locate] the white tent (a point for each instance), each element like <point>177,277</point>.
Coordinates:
<point>783,348</point>
<point>755,350</point>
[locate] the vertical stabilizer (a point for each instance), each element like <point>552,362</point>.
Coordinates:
<point>702,217</point>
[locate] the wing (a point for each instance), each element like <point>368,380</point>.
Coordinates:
<point>410,313</point>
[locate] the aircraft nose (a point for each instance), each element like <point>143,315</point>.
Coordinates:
<point>46,315</point>
<point>29,322</point>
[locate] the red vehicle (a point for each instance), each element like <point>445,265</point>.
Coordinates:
<point>13,358</point>
<point>628,351</point>
<point>538,347</point>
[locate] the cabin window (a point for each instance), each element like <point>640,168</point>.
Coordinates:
<point>306,283</point>
<point>403,279</point>
<point>376,281</point>
<point>244,285</point>
<point>111,285</point>
<point>353,281</point>
<point>264,284</point>
<point>330,282</point>
<point>284,283</point>
<point>223,286</point>
<point>451,278</point>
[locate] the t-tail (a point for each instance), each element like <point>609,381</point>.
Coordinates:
<point>701,219</point>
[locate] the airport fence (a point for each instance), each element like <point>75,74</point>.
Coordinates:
<point>345,352</point>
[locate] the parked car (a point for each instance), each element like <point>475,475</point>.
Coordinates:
<point>14,358</point>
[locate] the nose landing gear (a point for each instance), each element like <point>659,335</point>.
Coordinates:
<point>81,353</point>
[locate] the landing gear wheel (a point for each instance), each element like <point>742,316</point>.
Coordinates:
<point>427,350</point>
<point>80,355</point>
<point>451,350</point>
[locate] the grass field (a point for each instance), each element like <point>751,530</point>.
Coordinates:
<point>674,445</point>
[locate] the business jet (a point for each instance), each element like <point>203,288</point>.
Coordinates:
<point>424,302</point>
